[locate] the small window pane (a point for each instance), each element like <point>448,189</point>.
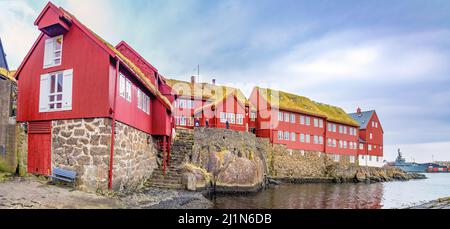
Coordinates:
<point>60,82</point>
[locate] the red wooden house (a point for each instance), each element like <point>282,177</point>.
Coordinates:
<point>304,125</point>
<point>90,107</point>
<point>209,104</point>
<point>370,149</point>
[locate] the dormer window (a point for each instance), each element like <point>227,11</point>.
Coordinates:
<point>53,51</point>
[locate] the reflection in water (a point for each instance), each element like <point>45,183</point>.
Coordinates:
<point>338,196</point>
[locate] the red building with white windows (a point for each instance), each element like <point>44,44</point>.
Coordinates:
<point>91,107</point>
<point>304,125</point>
<point>210,104</point>
<point>370,149</point>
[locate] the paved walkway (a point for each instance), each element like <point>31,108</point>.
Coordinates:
<point>32,192</point>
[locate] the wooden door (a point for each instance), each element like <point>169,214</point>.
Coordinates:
<point>39,147</point>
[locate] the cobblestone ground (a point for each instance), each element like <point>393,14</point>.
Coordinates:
<point>33,192</point>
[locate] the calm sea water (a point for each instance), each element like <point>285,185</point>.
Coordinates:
<point>398,194</point>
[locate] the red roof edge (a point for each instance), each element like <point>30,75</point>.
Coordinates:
<point>137,54</point>
<point>49,5</point>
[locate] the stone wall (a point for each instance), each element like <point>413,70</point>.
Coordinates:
<point>83,145</point>
<point>8,141</point>
<point>134,157</point>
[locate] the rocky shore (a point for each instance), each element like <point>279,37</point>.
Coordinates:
<point>354,174</point>
<point>441,203</point>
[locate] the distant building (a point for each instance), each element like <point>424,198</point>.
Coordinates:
<point>370,148</point>
<point>208,101</point>
<point>305,125</point>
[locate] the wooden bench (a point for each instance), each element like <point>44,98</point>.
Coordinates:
<point>63,175</point>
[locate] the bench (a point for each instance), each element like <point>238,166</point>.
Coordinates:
<point>63,175</point>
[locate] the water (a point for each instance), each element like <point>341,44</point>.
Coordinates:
<point>398,194</point>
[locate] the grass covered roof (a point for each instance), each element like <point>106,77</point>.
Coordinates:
<point>8,74</point>
<point>301,104</point>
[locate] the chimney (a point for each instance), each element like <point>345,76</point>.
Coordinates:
<point>358,110</point>
<point>192,79</point>
<point>214,81</point>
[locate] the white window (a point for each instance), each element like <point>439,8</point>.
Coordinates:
<point>370,136</point>
<point>316,139</point>
<point>286,135</point>
<point>230,117</point>
<point>53,51</point>
<point>302,119</point>
<point>369,147</point>
<point>280,116</point>
<point>334,128</point>
<point>302,137</point>
<point>122,85</point>
<point>280,135</point>
<point>139,99</point>
<point>293,136</point>
<point>334,143</point>
<point>223,117</point>
<point>308,121</point>
<point>286,117</point>
<point>128,90</point>
<point>55,92</point>
<point>363,157</point>
<point>340,143</point>
<point>330,127</point>
<point>345,144</point>
<point>376,124</point>
<point>320,123</point>
<point>239,118</point>
<point>320,140</point>
<point>183,121</point>
<point>345,130</point>
<point>352,159</point>
<point>374,146</point>
<point>361,146</point>
<point>308,140</point>
<point>335,157</point>
<point>252,116</point>
<point>340,129</point>
<point>145,103</point>
<point>330,142</point>
<point>292,118</point>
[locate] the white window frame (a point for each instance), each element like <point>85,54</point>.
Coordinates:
<point>280,135</point>
<point>302,137</point>
<point>122,85</point>
<point>369,147</point>
<point>128,89</point>
<point>307,120</point>
<point>231,117</point>
<point>182,121</point>
<point>316,139</point>
<point>286,135</point>
<point>344,129</point>
<point>370,136</point>
<point>316,122</point>
<point>239,118</point>
<point>280,116</point>
<point>292,118</point>
<point>361,146</point>
<point>330,142</point>
<point>223,117</point>
<point>320,123</point>
<point>65,94</point>
<point>293,136</point>
<point>334,143</point>
<point>253,116</point>
<point>308,138</point>
<point>334,127</point>
<point>286,117</point>
<point>321,140</point>
<point>302,120</point>
<point>50,52</point>
<point>139,99</point>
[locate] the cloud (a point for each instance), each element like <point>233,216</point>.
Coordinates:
<point>16,30</point>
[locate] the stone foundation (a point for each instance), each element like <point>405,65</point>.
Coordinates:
<point>83,145</point>
<point>8,129</point>
<point>134,157</point>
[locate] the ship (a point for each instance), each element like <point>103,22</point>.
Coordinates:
<point>409,167</point>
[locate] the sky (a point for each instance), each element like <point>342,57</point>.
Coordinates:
<point>391,56</point>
